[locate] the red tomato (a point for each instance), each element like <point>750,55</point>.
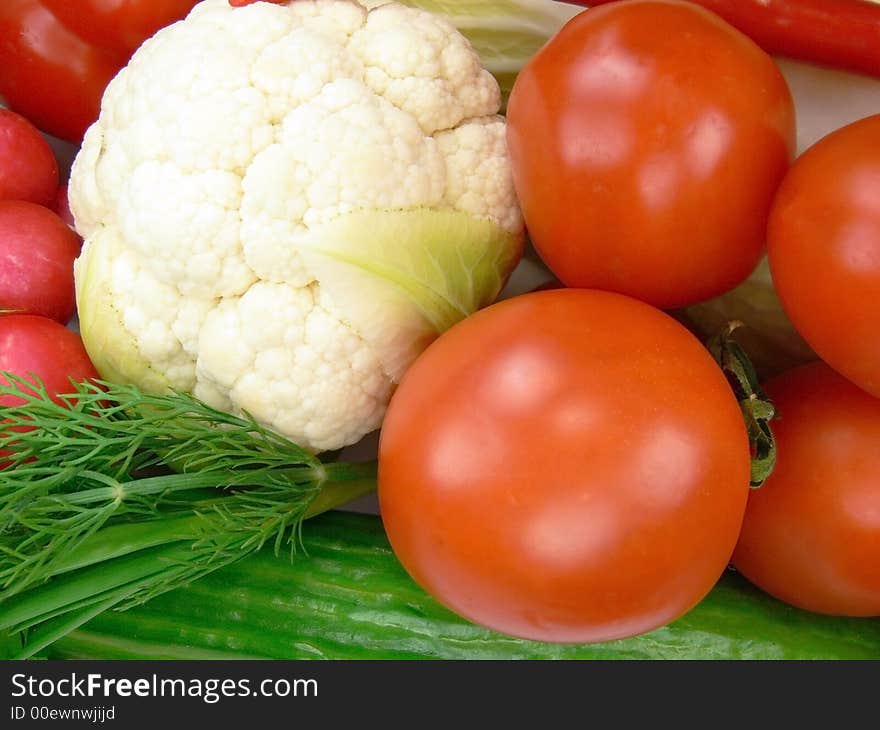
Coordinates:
<point>566,465</point>
<point>58,56</point>
<point>32,345</point>
<point>824,247</point>
<point>120,26</point>
<point>648,138</point>
<point>811,535</point>
<point>51,75</point>
<point>37,250</point>
<point>28,169</point>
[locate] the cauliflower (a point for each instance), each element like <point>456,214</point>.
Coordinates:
<point>283,205</point>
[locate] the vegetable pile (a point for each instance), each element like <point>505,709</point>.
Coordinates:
<point>288,226</point>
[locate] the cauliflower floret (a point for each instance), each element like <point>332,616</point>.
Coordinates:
<point>425,67</point>
<point>477,169</point>
<point>215,193</point>
<point>303,371</point>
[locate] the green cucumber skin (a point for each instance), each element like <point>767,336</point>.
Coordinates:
<point>349,598</point>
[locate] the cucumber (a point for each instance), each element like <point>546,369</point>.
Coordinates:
<point>347,597</point>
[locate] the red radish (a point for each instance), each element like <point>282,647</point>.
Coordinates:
<point>35,346</point>
<point>28,168</point>
<point>60,205</point>
<point>37,250</point>
<point>32,345</point>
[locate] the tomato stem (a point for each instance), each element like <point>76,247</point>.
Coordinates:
<point>757,409</point>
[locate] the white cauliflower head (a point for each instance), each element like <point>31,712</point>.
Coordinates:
<point>284,204</point>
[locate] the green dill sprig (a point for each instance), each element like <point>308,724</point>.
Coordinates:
<point>83,473</point>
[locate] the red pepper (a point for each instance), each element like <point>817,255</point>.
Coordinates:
<point>57,56</point>
<point>841,33</point>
